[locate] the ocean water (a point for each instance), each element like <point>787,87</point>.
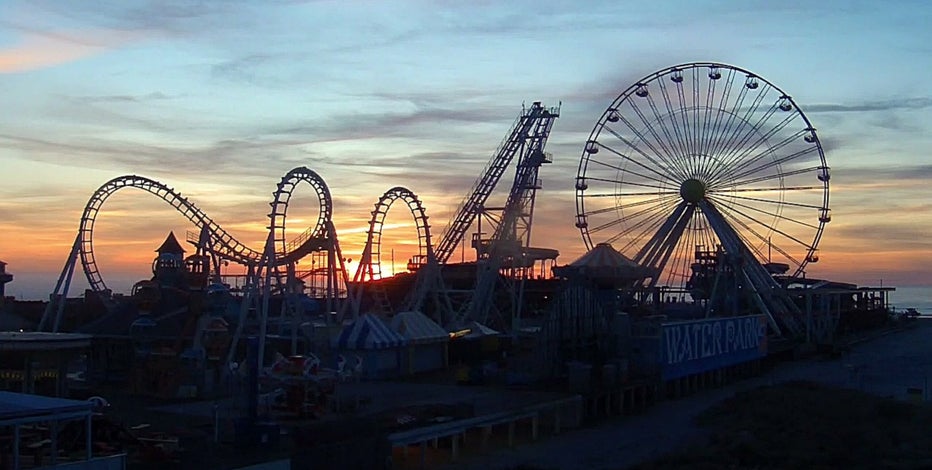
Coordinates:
<point>918,297</point>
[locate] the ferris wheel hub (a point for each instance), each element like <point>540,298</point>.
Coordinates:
<point>692,190</point>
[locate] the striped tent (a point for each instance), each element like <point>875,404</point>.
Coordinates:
<point>368,332</point>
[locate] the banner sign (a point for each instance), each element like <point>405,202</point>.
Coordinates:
<point>693,347</point>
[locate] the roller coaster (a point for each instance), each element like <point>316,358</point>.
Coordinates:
<point>271,271</point>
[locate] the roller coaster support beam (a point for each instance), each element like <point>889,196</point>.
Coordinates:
<point>470,208</point>
<point>60,295</point>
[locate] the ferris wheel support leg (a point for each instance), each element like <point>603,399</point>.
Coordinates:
<point>60,294</point>
<point>755,294</point>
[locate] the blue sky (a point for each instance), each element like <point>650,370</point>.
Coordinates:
<point>220,98</point>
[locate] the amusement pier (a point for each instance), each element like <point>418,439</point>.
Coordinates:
<point>702,194</point>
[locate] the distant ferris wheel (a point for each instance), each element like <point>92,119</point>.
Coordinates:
<point>701,155</point>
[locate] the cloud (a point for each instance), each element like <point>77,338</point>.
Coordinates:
<point>133,99</point>
<point>893,174</point>
<point>37,52</point>
<point>872,106</point>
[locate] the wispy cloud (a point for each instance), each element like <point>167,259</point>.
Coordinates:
<point>871,106</point>
<point>37,52</point>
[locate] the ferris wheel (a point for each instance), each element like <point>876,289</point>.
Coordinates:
<point>703,158</point>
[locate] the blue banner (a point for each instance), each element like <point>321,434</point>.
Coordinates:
<point>699,346</point>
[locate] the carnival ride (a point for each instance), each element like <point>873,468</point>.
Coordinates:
<point>713,179</point>
<point>370,263</point>
<point>503,255</point>
<point>264,267</point>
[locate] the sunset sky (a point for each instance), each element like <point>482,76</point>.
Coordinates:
<point>220,98</point>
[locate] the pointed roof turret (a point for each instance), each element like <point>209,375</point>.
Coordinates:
<point>170,245</point>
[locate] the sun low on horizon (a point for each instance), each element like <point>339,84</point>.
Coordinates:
<point>219,100</point>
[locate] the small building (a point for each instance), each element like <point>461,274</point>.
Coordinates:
<point>37,362</point>
<point>472,342</point>
<point>5,277</point>
<point>427,342</point>
<point>20,413</point>
<point>378,346</point>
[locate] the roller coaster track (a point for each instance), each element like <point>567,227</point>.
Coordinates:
<point>316,236</point>
<point>222,243</point>
<point>370,268</point>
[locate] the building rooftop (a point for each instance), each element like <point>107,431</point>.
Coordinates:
<point>23,406</point>
<point>170,245</point>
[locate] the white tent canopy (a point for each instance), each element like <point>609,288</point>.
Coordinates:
<point>418,328</point>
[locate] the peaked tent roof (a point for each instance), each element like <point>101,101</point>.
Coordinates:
<point>418,328</point>
<point>604,255</point>
<point>478,330</point>
<point>604,262</point>
<point>170,245</point>
<point>368,332</point>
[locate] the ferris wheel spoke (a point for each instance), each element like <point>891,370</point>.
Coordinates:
<point>743,131</point>
<point>741,161</point>
<point>778,214</point>
<point>721,137</point>
<point>643,228</point>
<point>772,228</point>
<point>674,151</point>
<point>743,122</point>
<point>707,120</point>
<point>760,179</point>
<point>775,162</point>
<point>771,201</point>
<point>629,159</point>
<point>680,134</point>
<point>752,190</point>
<point>738,150</point>
<point>709,130</point>
<point>667,156</point>
<point>671,169</point>
<point>661,189</point>
<point>640,229</point>
<point>681,258</point>
<point>653,209</point>
<point>721,111</point>
<point>683,112</point>
<point>697,141</point>
<point>616,207</point>
<point>617,194</point>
